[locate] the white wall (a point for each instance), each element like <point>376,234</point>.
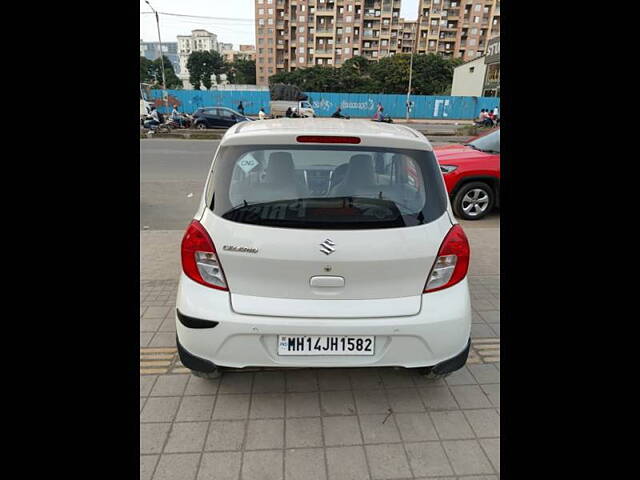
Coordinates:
<point>467,83</point>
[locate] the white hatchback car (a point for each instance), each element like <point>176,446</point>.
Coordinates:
<point>324,243</point>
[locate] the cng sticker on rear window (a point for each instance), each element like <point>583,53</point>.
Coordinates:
<point>248,164</point>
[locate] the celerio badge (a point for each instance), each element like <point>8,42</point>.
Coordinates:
<point>233,248</point>
<point>327,247</point>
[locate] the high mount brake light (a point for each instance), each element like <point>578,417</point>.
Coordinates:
<point>199,260</point>
<point>452,263</point>
<point>326,139</point>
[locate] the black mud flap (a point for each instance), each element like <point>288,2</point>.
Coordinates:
<point>192,362</point>
<point>452,364</point>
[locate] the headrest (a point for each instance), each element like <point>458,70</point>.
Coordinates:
<point>400,163</point>
<point>280,168</point>
<point>360,172</point>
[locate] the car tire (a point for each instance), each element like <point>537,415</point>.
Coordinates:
<point>217,373</point>
<point>201,126</point>
<point>473,201</point>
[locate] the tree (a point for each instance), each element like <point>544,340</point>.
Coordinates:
<point>241,71</point>
<point>151,72</point>
<point>432,74</point>
<point>202,66</point>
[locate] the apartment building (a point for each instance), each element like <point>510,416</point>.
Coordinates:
<point>199,41</point>
<point>246,52</point>
<point>458,29</point>
<point>293,34</point>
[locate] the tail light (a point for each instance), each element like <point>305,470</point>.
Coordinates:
<point>199,260</point>
<point>452,263</point>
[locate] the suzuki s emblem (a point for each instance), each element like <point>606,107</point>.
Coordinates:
<point>327,247</point>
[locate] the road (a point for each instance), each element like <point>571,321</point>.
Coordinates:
<point>172,176</point>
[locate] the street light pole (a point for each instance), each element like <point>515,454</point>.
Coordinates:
<point>411,64</point>
<point>164,83</point>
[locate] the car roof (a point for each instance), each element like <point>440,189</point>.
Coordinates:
<point>285,130</point>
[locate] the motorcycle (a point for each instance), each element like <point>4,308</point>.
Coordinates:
<point>186,121</point>
<point>163,127</point>
<point>384,120</point>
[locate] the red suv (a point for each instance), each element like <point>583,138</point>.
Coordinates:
<point>472,175</point>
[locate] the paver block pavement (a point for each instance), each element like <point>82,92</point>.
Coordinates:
<point>220,466</point>
<point>267,405</point>
<point>416,427</point>
<point>263,465</point>
<point>387,461</point>
<point>153,437</point>
<point>485,422</point>
<point>341,430</point>
<point>305,464</point>
<point>186,437</point>
<point>379,429</point>
<point>347,463</point>
<point>177,466</point>
<point>195,408</point>
<point>225,435</point>
<point>452,425</point>
<point>303,432</point>
<point>467,457</point>
<point>160,409</point>
<point>265,434</point>
<point>428,458</point>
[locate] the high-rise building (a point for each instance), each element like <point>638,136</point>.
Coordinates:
<point>151,51</point>
<point>293,34</point>
<point>198,41</point>
<point>459,29</point>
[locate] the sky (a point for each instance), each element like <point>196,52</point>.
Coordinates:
<point>239,30</point>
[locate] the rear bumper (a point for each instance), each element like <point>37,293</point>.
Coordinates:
<point>438,334</point>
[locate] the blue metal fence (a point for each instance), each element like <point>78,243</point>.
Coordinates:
<point>190,100</point>
<point>352,104</point>
<point>424,106</point>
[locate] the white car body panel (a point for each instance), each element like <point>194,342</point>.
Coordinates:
<point>288,258</point>
<point>275,291</point>
<point>440,331</point>
<point>294,307</point>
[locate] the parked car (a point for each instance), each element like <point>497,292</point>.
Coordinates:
<point>472,175</point>
<point>217,117</point>
<point>323,249</point>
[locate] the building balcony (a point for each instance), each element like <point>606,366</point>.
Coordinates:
<point>323,32</point>
<point>326,52</point>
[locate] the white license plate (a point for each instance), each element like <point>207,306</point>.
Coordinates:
<point>325,345</point>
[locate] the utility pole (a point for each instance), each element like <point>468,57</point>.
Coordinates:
<point>415,46</point>
<point>164,83</point>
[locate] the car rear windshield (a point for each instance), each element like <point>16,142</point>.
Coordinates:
<point>327,187</point>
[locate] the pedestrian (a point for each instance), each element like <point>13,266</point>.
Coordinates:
<point>338,113</point>
<point>241,108</point>
<point>496,115</point>
<point>378,112</point>
<point>379,116</point>
<point>289,113</point>
<point>261,114</point>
